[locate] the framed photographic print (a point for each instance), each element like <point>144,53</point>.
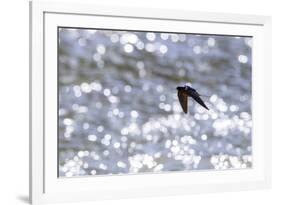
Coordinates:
<point>127,102</point>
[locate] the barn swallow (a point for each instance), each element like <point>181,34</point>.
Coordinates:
<point>184,92</point>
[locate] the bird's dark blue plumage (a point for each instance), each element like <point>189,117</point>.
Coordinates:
<point>184,92</point>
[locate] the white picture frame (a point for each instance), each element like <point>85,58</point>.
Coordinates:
<point>46,187</point>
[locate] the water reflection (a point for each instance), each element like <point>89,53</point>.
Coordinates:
<point>118,106</point>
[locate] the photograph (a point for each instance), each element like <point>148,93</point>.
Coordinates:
<point>136,102</point>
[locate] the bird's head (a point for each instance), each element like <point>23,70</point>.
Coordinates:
<point>185,87</point>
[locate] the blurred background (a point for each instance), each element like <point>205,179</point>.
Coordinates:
<point>118,106</point>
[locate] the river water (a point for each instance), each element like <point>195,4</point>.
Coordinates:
<point>118,107</point>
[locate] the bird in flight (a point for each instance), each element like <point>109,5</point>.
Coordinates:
<point>184,92</point>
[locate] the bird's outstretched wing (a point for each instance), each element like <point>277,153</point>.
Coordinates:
<point>197,98</point>
<point>183,98</point>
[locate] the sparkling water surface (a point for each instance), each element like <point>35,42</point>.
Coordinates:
<point>119,111</point>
